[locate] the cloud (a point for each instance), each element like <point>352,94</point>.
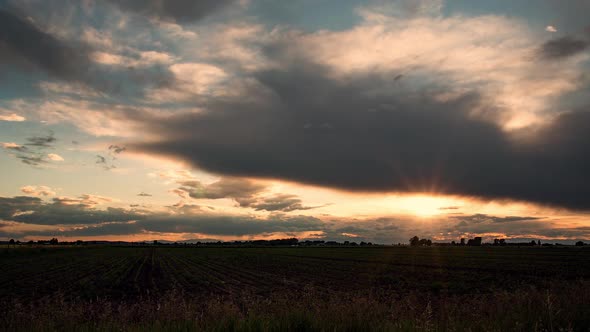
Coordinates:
<point>55,157</point>
<point>280,202</point>
<point>484,218</point>
<point>381,137</point>
<point>142,194</point>
<point>173,10</point>
<point>25,44</point>
<point>38,190</point>
<point>12,117</point>
<point>116,149</point>
<point>32,47</point>
<point>62,210</point>
<point>450,208</point>
<point>72,217</point>
<point>563,47</point>
<point>14,147</point>
<point>241,190</point>
<point>104,163</point>
<point>551,28</point>
<point>33,152</point>
<point>246,193</point>
<point>107,162</point>
<point>41,141</point>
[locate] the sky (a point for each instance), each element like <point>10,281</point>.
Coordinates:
<point>344,120</point>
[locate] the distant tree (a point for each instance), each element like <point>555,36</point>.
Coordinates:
<point>11,242</point>
<point>502,242</point>
<point>429,242</point>
<point>415,241</point>
<point>533,243</point>
<point>462,241</point>
<point>579,244</point>
<point>496,242</point>
<point>475,241</point>
<point>453,243</point>
<point>539,242</point>
<point>53,241</point>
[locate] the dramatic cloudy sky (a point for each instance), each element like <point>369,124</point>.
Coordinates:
<point>370,120</point>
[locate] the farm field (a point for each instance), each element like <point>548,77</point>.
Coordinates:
<point>430,288</point>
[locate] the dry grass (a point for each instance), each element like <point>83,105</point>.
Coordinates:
<point>562,307</point>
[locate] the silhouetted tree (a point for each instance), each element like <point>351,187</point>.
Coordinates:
<point>462,241</point>
<point>53,241</point>
<point>579,244</point>
<point>415,241</point>
<point>474,242</point>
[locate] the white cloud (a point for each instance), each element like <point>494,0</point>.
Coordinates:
<point>489,55</point>
<point>142,59</point>
<point>12,117</point>
<point>98,120</point>
<point>192,80</point>
<point>11,145</point>
<point>55,157</point>
<point>550,28</point>
<point>38,190</point>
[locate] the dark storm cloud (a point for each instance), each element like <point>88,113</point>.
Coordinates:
<point>563,47</point>
<point>173,10</point>
<point>380,138</point>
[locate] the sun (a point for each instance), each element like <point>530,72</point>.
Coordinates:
<point>423,205</point>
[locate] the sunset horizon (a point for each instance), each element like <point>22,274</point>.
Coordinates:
<point>249,119</point>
